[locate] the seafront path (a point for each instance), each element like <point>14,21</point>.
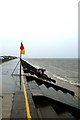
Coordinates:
<point>12,100</point>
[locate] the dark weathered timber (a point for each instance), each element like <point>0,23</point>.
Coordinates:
<point>27,66</point>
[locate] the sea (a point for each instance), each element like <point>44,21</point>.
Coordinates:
<point>65,69</point>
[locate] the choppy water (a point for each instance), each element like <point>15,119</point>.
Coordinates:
<point>64,69</point>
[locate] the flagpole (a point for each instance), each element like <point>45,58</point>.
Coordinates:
<point>22,51</point>
<point>20,62</point>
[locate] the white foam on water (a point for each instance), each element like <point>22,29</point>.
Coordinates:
<point>66,80</point>
<point>75,83</point>
<point>60,78</point>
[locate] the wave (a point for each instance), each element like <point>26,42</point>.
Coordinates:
<point>67,80</point>
<point>64,79</point>
<point>75,83</point>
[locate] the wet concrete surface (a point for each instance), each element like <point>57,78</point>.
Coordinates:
<point>8,82</point>
<point>0,108</point>
<point>11,93</point>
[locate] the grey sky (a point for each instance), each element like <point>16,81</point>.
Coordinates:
<point>47,28</point>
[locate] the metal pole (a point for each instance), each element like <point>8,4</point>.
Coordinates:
<point>20,62</point>
<point>20,68</point>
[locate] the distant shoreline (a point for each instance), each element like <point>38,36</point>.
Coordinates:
<point>6,58</point>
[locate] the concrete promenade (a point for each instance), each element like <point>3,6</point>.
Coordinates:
<point>12,101</point>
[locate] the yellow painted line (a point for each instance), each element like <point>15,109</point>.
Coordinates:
<point>28,115</point>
